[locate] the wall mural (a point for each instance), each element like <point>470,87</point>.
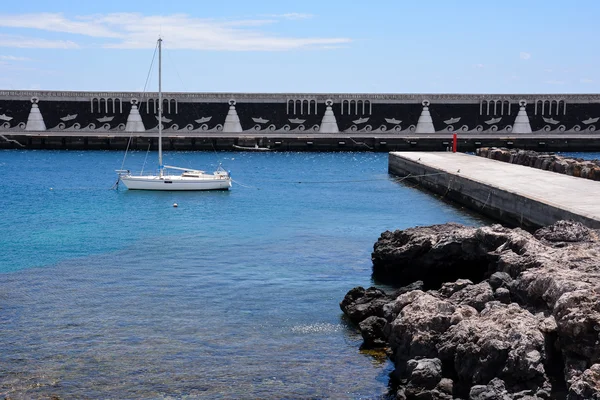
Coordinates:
<point>301,115</point>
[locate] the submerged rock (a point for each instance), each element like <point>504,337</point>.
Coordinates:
<point>506,314</point>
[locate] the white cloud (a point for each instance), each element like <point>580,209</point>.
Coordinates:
<point>56,22</point>
<point>586,80</point>
<point>14,58</point>
<point>180,31</point>
<point>479,66</point>
<point>524,55</point>
<point>35,43</point>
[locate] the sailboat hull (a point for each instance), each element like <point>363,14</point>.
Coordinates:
<point>169,183</point>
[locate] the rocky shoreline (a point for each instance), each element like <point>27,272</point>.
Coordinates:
<point>589,169</point>
<point>486,313</point>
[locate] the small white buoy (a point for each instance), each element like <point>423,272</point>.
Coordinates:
<point>51,188</point>
<point>175,205</point>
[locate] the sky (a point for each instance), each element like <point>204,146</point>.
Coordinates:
<point>309,46</point>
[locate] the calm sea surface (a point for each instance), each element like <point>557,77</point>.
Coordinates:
<point>117,294</point>
<point>585,156</point>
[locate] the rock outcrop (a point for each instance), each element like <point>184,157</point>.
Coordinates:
<point>546,161</point>
<point>497,313</point>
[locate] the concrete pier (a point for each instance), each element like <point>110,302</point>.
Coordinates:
<point>514,194</point>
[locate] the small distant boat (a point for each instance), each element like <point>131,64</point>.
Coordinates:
<point>493,121</point>
<point>361,120</point>
<point>250,148</point>
<point>452,120</point>
<point>203,120</point>
<point>392,121</point>
<point>5,117</point>
<point>69,117</point>
<point>167,120</point>
<point>550,121</point>
<point>105,119</point>
<point>297,120</point>
<point>591,121</point>
<point>260,120</point>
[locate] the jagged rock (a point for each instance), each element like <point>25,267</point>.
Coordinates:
<point>587,385</point>
<point>424,373</point>
<point>538,297</point>
<point>412,393</point>
<point>418,285</point>
<point>422,379</point>
<point>392,309</point>
<point>401,393</point>
<point>449,288</point>
<point>500,279</point>
<point>359,304</point>
<point>421,320</point>
<point>434,255</point>
<point>502,295</point>
<point>475,296</point>
<point>372,330</point>
<point>445,385</point>
<point>504,341</point>
<point>577,316</point>
<point>566,231</point>
<point>494,390</point>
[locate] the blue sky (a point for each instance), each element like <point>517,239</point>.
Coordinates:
<point>435,46</point>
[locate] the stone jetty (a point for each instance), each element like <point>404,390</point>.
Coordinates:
<point>589,169</point>
<point>486,313</point>
<point>512,194</point>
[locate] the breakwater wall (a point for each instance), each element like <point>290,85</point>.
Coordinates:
<point>289,142</point>
<point>296,113</point>
<point>513,194</point>
<point>299,121</point>
<point>547,161</point>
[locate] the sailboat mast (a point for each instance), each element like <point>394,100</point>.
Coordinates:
<point>160,105</point>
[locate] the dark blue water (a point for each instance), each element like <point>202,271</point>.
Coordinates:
<point>117,294</point>
<point>584,155</point>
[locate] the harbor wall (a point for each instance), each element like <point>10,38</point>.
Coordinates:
<point>290,113</point>
<point>299,121</point>
<point>312,143</point>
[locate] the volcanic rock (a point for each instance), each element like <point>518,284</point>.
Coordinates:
<point>372,330</point>
<point>507,314</point>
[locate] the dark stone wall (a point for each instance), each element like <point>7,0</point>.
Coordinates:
<point>189,116</point>
<point>467,117</point>
<point>59,115</point>
<point>578,117</point>
<point>377,120</point>
<point>17,110</point>
<point>281,115</point>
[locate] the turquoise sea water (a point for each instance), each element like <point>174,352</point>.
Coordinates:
<point>117,294</point>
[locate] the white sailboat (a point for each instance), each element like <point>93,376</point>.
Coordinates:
<point>189,179</point>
